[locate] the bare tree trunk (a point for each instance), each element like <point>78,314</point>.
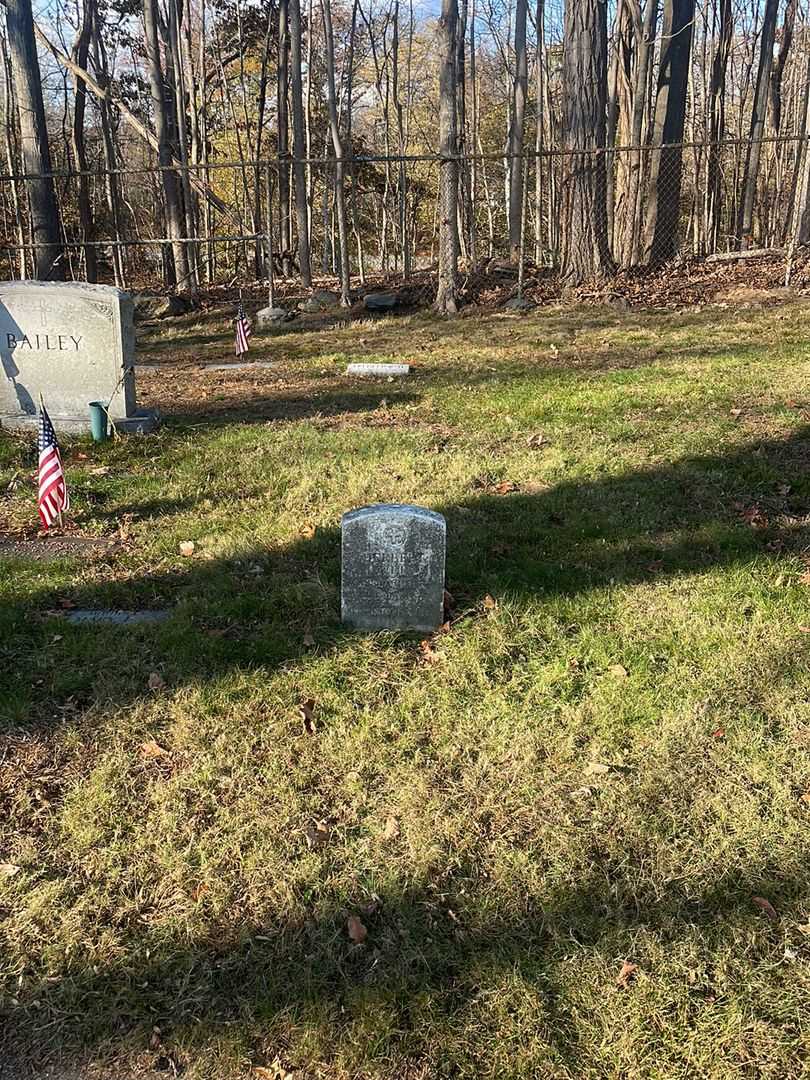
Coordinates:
<point>745,221</point>
<point>178,80</point>
<point>464,181</point>
<point>801,213</point>
<point>285,237</point>
<point>36,156</point>
<point>171,190</point>
<point>300,147</point>
<point>337,143</point>
<point>586,253</point>
<point>10,141</point>
<point>402,178</point>
<point>717,124</point>
<point>446,293</point>
<point>473,141</point>
<point>664,183</point>
<point>347,144</point>
<point>519,91</point>
<point>81,50</point>
<point>628,239</point>
<point>262,258</point>
<point>775,88</point>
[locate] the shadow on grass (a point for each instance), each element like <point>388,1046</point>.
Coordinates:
<point>432,952</point>
<point>575,537</point>
<point>263,407</point>
<point>720,510</point>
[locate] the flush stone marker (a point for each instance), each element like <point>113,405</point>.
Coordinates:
<point>392,568</point>
<point>72,342</point>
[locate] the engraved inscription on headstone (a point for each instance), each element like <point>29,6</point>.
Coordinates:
<point>392,568</point>
<point>72,342</point>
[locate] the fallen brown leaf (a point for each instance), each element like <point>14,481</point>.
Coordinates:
<point>306,711</point>
<point>505,487</point>
<point>391,830</point>
<point>8,869</point>
<point>152,750</point>
<point>766,907</point>
<point>356,930</point>
<point>596,768</point>
<point>626,975</point>
<point>428,653</point>
<point>534,441</point>
<point>490,603</point>
<point>307,530</point>
<point>317,835</point>
<point>619,671</point>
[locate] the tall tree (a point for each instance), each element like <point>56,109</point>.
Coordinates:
<point>666,159</point>
<point>161,110</point>
<point>81,49</point>
<point>302,209</point>
<point>520,85</point>
<point>36,155</point>
<point>717,122</point>
<point>778,71</point>
<point>340,157</point>
<point>745,221</point>
<point>285,235</point>
<point>585,250</point>
<point>446,292</point>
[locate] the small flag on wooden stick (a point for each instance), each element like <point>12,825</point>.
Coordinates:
<point>242,331</point>
<point>53,494</point>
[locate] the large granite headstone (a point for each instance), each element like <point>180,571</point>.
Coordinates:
<point>72,342</point>
<point>392,568</point>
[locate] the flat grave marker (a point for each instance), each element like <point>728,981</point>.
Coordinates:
<point>380,370</point>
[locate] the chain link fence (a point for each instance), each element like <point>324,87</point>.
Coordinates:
<point>645,205</point>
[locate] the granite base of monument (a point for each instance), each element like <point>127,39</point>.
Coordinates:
<point>72,343</point>
<point>140,423</point>
<point>392,568</point>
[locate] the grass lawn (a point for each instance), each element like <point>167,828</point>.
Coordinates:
<point>574,825</point>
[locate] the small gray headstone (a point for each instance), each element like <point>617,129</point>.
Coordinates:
<point>392,568</point>
<point>74,343</point>
<point>380,370</point>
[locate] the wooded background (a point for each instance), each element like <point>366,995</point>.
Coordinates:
<point>184,143</point>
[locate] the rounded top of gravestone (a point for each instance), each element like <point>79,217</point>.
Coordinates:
<point>102,292</point>
<point>392,510</point>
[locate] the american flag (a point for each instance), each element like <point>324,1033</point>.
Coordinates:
<point>53,494</point>
<point>242,331</point>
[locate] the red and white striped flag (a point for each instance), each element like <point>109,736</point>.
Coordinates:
<point>242,331</point>
<point>53,493</point>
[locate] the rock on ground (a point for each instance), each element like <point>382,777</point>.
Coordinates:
<point>380,301</point>
<point>272,316</point>
<point>321,300</point>
<point>161,307</point>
